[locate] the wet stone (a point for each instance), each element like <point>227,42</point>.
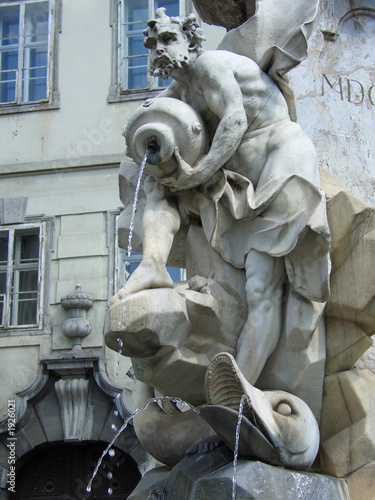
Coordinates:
<point>186,474</point>
<point>152,483</point>
<point>256,480</point>
<point>209,477</point>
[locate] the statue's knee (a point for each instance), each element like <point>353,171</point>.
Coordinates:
<point>264,293</point>
<point>255,289</point>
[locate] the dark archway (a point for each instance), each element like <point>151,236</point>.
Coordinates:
<point>62,471</point>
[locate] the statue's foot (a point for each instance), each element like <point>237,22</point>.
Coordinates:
<point>149,274</point>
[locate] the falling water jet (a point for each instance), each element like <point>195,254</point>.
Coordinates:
<point>109,448</point>
<point>134,209</point>
<point>135,202</point>
<point>151,149</point>
<point>235,453</point>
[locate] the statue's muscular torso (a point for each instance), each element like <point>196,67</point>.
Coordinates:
<point>213,73</point>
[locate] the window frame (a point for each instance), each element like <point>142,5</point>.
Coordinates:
<point>42,324</point>
<point>52,100</point>
<point>116,92</point>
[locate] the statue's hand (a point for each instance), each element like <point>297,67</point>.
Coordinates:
<point>184,177</point>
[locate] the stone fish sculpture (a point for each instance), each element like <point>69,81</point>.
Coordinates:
<point>276,427</point>
<point>226,160</point>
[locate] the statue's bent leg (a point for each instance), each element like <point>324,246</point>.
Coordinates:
<point>261,332</point>
<point>161,221</point>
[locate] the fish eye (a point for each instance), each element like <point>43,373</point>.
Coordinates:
<point>283,408</point>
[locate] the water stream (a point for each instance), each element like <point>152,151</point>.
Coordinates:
<point>125,424</point>
<point>135,202</point>
<point>235,453</point>
<point>109,448</point>
<point>149,401</point>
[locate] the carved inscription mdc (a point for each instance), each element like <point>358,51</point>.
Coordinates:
<point>349,89</point>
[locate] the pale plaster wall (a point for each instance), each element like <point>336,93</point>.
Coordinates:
<point>340,120</point>
<point>85,125</point>
<point>65,162</point>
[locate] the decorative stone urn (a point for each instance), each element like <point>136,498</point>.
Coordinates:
<point>77,326</point>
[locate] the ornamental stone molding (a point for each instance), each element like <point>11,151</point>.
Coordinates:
<point>336,12</point>
<point>73,398</point>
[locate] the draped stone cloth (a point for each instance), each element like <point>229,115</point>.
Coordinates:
<point>284,217</point>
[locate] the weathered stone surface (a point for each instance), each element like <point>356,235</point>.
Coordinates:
<point>152,484</point>
<point>202,260</point>
<point>209,477</point>
<point>362,483</point>
<point>335,95</point>
<point>173,334</point>
<point>367,360</point>
<point>143,323</point>
<point>254,190</point>
<point>277,427</point>
<point>348,422</point>
<point>347,341</point>
<point>351,306</point>
<point>256,480</point>
<point>184,476</point>
<point>302,349</point>
<point>228,14</point>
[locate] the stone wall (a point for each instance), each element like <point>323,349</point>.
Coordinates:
<point>335,93</point>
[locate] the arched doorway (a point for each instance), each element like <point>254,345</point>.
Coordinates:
<point>61,472</point>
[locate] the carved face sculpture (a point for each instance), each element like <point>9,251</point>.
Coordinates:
<point>172,41</point>
<point>169,48</point>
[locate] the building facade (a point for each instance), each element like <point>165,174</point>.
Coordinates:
<point>70,74</point>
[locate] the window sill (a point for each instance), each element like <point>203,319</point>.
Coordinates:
<point>26,108</point>
<point>25,331</point>
<point>132,95</point>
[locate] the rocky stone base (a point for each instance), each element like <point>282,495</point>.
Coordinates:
<point>209,477</point>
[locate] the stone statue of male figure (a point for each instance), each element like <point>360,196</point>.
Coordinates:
<point>256,191</point>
